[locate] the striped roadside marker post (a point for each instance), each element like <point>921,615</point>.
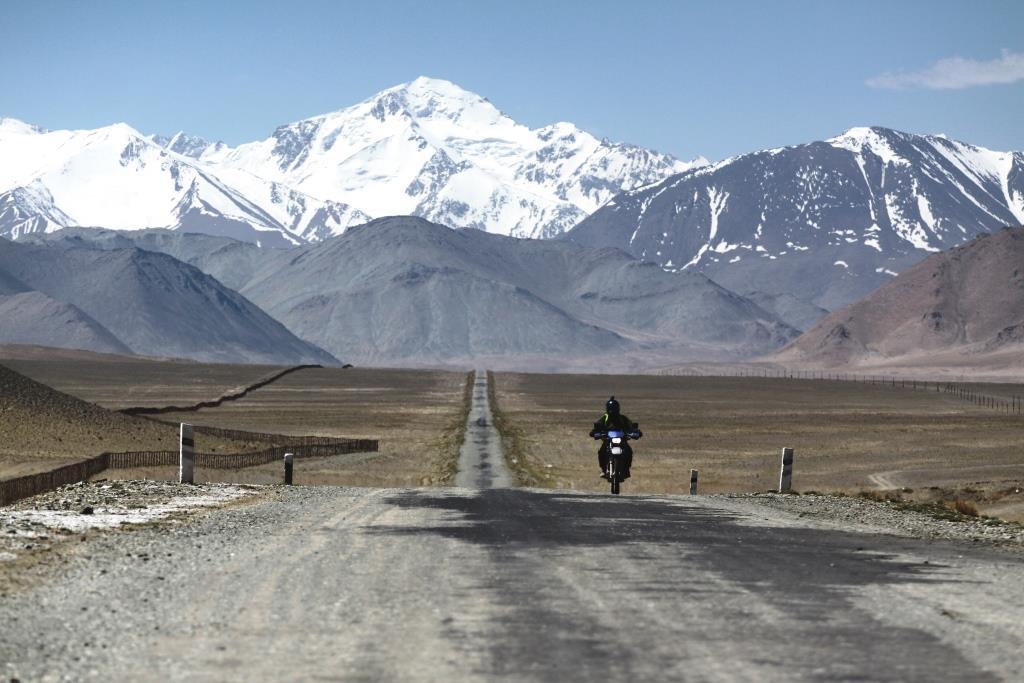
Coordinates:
<point>187,460</point>
<point>786,477</point>
<point>693,482</point>
<point>289,459</point>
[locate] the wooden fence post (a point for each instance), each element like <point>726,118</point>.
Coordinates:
<point>786,476</point>
<point>693,482</point>
<point>186,455</point>
<point>288,460</point>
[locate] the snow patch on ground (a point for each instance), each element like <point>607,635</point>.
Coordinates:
<point>112,516</point>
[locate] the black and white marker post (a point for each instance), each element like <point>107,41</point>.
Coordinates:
<point>187,462</point>
<point>289,459</point>
<point>693,482</point>
<point>786,477</point>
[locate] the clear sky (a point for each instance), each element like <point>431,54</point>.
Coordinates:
<point>689,78</point>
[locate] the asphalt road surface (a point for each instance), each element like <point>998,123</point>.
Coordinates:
<point>481,464</point>
<point>326,583</point>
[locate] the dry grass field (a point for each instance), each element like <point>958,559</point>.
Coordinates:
<point>418,416</point>
<point>122,381</point>
<point>847,436</point>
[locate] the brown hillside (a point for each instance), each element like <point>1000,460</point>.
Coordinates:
<point>41,423</point>
<point>968,300</point>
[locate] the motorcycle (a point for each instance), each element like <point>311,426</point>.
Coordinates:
<point>615,443</point>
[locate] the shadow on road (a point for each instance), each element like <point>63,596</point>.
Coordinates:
<point>574,569</point>
<point>793,561</point>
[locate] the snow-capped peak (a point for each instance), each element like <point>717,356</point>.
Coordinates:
<point>432,149</point>
<point>434,95</point>
<point>440,110</point>
<point>18,127</point>
<point>876,140</point>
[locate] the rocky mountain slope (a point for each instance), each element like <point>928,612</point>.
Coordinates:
<point>968,300</point>
<point>35,318</point>
<point>825,222</point>
<point>404,291</point>
<point>425,148</point>
<point>127,298</point>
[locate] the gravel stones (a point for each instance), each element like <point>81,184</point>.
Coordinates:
<point>37,523</point>
<point>884,517</point>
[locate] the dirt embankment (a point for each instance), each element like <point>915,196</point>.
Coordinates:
<point>41,427</point>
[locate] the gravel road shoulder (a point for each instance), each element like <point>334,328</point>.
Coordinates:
<point>855,514</point>
<point>36,532</point>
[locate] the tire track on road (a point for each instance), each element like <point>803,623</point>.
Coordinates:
<point>481,461</point>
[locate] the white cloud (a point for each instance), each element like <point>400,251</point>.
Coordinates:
<point>954,73</point>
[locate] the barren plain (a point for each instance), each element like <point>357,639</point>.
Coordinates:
<point>848,437</point>
<point>116,382</point>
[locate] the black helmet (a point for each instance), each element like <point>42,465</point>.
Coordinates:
<point>612,406</point>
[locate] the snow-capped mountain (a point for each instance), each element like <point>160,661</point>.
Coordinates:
<point>826,222</point>
<point>117,178</point>
<point>426,148</point>
<point>429,148</point>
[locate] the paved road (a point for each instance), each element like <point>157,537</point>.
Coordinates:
<point>481,465</point>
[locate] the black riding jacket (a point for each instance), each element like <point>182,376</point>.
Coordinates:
<point>606,422</point>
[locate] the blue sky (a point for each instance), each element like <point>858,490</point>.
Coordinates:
<point>711,78</point>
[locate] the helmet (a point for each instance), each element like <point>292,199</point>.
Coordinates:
<point>612,406</point>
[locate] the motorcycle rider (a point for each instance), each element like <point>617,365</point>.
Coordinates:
<point>613,419</point>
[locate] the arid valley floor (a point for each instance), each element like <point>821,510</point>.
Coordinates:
<point>385,566</point>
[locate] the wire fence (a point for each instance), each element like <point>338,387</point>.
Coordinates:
<point>1010,404</point>
<point>34,484</point>
<point>12,490</point>
<point>268,437</point>
<point>236,461</point>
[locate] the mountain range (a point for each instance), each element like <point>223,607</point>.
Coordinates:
<point>648,256</point>
<point>426,148</point>
<point>405,291</point>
